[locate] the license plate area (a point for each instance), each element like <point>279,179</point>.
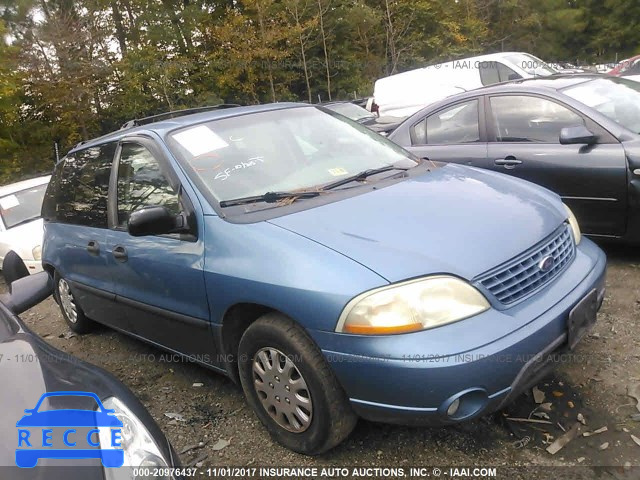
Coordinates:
<point>582,317</point>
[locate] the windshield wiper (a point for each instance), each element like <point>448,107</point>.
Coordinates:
<point>274,197</point>
<point>270,197</point>
<point>360,177</point>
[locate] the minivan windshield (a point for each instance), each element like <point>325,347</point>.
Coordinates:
<point>616,98</point>
<point>285,150</point>
<point>23,206</point>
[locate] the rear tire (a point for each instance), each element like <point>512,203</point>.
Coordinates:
<point>73,315</point>
<point>291,388</point>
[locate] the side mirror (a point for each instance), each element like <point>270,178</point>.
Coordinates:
<point>514,76</point>
<point>577,135</point>
<point>26,292</point>
<point>155,221</point>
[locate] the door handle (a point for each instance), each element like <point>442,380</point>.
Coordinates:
<point>508,162</point>
<point>93,247</point>
<point>120,253</point>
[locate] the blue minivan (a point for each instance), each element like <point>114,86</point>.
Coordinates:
<point>327,270</point>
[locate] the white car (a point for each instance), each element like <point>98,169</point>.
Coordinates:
<point>404,94</point>
<point>20,222</point>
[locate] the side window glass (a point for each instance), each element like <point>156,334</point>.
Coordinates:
<point>519,118</point>
<point>62,187</point>
<point>488,73</point>
<point>78,191</point>
<point>142,183</point>
<point>505,73</point>
<point>92,185</point>
<point>456,124</point>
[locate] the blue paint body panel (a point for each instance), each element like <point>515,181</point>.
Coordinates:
<point>311,260</point>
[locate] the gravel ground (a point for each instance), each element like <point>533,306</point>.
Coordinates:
<point>594,385</point>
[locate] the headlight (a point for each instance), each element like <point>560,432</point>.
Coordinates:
<point>37,252</point>
<point>140,450</point>
<point>575,228</point>
<point>411,306</point>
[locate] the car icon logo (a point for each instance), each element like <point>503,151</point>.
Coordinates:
<point>546,264</point>
<point>69,433</point>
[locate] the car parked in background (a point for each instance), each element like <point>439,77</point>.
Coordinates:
<point>403,94</point>
<point>382,125</point>
<point>20,221</point>
<point>37,374</point>
<point>315,261</point>
<point>577,135</point>
<point>629,66</point>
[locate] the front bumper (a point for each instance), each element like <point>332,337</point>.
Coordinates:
<point>484,361</point>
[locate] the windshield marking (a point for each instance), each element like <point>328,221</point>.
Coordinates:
<point>226,173</point>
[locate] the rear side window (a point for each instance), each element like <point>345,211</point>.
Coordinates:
<point>79,188</point>
<point>456,124</point>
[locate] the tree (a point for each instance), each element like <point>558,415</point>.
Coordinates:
<point>303,22</point>
<point>74,69</point>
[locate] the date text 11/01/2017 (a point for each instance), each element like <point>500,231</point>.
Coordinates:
<point>341,472</point>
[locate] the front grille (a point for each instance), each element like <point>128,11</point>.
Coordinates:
<point>523,276</point>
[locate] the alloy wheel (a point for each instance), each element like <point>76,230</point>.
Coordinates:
<point>67,301</point>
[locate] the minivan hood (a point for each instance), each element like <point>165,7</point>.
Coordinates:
<point>454,219</point>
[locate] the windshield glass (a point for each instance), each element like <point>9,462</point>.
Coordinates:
<point>22,206</point>
<point>354,112</point>
<point>617,98</point>
<point>530,64</point>
<point>280,151</point>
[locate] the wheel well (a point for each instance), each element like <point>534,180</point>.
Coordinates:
<point>236,320</point>
<point>51,271</point>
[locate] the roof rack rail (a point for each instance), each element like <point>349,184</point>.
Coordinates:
<point>176,113</point>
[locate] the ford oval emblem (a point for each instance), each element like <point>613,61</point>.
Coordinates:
<point>546,264</point>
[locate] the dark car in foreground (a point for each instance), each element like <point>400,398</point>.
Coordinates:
<point>576,135</point>
<point>71,397</point>
<point>328,270</point>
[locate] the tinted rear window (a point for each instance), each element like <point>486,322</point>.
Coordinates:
<point>79,187</point>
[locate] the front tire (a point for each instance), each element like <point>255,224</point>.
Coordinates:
<point>73,315</point>
<point>291,388</point>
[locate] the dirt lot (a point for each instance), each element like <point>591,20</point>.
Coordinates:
<point>594,384</point>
